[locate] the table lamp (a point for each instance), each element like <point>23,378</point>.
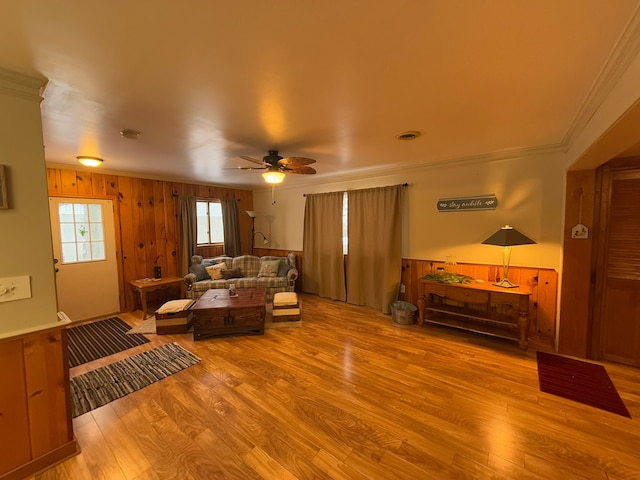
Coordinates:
<point>507,237</point>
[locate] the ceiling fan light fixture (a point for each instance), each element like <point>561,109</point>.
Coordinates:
<point>90,161</point>
<point>273,176</point>
<point>410,135</point>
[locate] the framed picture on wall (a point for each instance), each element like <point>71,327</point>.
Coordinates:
<point>4,203</point>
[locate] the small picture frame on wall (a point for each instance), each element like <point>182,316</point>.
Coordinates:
<point>4,201</point>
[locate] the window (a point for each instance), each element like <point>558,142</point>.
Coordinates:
<point>345,224</point>
<point>209,222</point>
<point>81,232</point>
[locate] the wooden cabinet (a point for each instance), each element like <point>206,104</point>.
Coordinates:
<point>482,308</point>
<point>35,406</point>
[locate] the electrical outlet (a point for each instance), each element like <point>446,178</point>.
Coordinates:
<point>15,288</point>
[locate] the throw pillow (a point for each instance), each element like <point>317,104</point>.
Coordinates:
<point>269,268</point>
<point>231,273</point>
<point>199,271</point>
<point>215,271</point>
<point>283,269</point>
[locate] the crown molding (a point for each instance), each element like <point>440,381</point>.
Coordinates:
<point>144,176</point>
<point>374,172</point>
<point>623,54</point>
<point>23,86</point>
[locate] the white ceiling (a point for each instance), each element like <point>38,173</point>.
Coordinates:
<point>207,81</point>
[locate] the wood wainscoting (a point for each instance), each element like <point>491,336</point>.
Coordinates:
<point>35,406</point>
<point>543,283</point>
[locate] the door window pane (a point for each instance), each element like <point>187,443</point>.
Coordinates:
<point>95,213</point>
<point>81,232</point>
<point>67,232</point>
<point>97,232</point>
<point>69,254</point>
<point>80,212</point>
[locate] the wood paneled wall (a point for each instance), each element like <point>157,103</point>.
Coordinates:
<point>543,283</point>
<point>35,407</point>
<point>578,276</point>
<point>146,218</point>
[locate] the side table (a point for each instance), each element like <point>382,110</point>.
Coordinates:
<point>146,285</point>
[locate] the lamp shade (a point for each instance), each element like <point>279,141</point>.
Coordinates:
<point>508,236</point>
<point>273,176</point>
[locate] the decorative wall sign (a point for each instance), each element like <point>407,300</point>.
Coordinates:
<point>462,204</point>
<point>580,232</point>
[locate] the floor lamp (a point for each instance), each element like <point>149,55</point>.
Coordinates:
<point>506,238</point>
<point>265,240</point>
<point>252,214</point>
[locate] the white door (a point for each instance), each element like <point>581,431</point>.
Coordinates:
<point>84,245</point>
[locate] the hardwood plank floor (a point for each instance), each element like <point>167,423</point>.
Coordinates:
<point>352,395</point>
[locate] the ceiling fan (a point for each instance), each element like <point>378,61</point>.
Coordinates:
<point>276,166</point>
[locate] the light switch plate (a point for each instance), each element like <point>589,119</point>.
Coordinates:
<point>15,288</point>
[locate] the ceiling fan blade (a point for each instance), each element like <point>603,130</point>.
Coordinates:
<point>299,170</point>
<point>250,159</point>
<point>295,161</point>
<point>245,168</point>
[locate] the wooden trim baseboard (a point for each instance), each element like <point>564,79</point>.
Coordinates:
<point>44,462</point>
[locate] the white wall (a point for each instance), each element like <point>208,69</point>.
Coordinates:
<point>530,192</point>
<point>25,232</point>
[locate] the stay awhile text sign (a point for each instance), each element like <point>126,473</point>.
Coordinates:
<point>462,204</point>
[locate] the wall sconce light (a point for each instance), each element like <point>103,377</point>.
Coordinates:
<point>265,240</point>
<point>90,161</point>
<point>507,237</point>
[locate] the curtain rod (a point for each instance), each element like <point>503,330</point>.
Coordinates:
<point>402,185</point>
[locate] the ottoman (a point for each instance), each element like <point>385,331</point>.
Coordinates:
<point>174,316</point>
<point>286,307</point>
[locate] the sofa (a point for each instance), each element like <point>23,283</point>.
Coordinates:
<point>275,274</point>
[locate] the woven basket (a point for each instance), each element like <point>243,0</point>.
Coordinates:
<point>403,313</point>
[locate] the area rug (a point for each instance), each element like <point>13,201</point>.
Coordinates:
<point>147,326</point>
<point>100,339</point>
<point>583,382</point>
<point>105,384</point>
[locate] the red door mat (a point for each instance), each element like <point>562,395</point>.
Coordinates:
<point>580,381</point>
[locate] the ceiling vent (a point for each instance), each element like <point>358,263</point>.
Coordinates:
<point>130,133</point>
<point>411,135</point>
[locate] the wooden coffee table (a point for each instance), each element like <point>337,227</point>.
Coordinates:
<point>216,313</point>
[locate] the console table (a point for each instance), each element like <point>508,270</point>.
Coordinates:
<point>477,307</point>
<point>146,285</point>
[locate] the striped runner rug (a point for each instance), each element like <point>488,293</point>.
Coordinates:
<point>100,339</point>
<point>105,384</point>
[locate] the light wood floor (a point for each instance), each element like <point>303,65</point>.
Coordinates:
<point>352,395</point>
